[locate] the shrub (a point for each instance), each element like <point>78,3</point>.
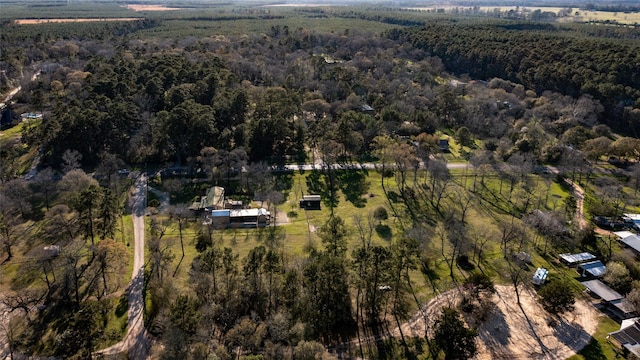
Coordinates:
<point>380,213</point>
<point>557,297</point>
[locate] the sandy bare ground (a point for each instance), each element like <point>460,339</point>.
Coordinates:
<point>510,333</point>
<point>138,7</point>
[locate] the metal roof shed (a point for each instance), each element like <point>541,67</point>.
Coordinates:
<point>601,290</point>
<point>310,202</point>
<point>573,259</point>
<point>623,234</point>
<point>632,241</point>
<point>622,308</point>
<point>592,269</point>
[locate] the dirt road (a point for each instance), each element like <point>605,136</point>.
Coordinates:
<point>578,193</point>
<point>136,341</point>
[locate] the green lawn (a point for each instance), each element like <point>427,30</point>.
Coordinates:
<point>127,237</point>
<point>116,324</point>
<point>10,134</point>
<point>300,232</point>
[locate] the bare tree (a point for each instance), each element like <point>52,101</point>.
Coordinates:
<point>463,199</point>
<point>60,224</point>
<point>25,300</point>
<point>181,215</point>
<point>10,222</point>
<point>585,110</point>
<point>480,237</point>
<point>512,236</point>
<point>364,227</point>
<point>440,179</point>
<point>635,177</point>
<point>71,160</point>
<point>160,251</point>
<point>44,183</point>
<point>260,180</point>
<point>482,161</point>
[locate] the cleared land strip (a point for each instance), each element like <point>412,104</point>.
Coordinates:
<point>45,21</point>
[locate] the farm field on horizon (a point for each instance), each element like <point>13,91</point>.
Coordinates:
<point>157,198</point>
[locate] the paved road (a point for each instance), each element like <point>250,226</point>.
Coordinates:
<point>136,341</point>
<point>15,91</point>
<point>355,166</point>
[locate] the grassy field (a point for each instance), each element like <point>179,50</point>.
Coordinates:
<point>10,139</point>
<point>213,27</point>
<point>127,238</point>
<point>300,231</point>
<point>572,14</point>
<point>10,135</point>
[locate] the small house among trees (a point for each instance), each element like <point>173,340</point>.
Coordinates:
<point>310,202</point>
<point>443,144</point>
<point>240,218</point>
<point>600,290</point>
<point>213,200</point>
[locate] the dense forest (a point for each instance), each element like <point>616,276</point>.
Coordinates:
<point>526,108</point>
<point>542,57</point>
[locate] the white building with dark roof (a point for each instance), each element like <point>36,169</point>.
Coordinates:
<point>628,337</point>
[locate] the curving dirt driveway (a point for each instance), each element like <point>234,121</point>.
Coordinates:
<point>136,342</point>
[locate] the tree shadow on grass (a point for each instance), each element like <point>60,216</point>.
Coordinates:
<point>573,335</point>
<point>354,184</point>
<point>393,196</point>
<point>317,184</point>
<point>384,231</point>
<point>593,351</point>
<point>123,305</point>
<point>24,279</point>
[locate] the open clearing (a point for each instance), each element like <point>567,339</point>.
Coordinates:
<point>513,333</point>
<point>574,14</point>
<point>139,7</point>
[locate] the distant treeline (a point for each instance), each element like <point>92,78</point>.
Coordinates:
<point>573,60</point>
<point>630,6</point>
<point>38,33</point>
